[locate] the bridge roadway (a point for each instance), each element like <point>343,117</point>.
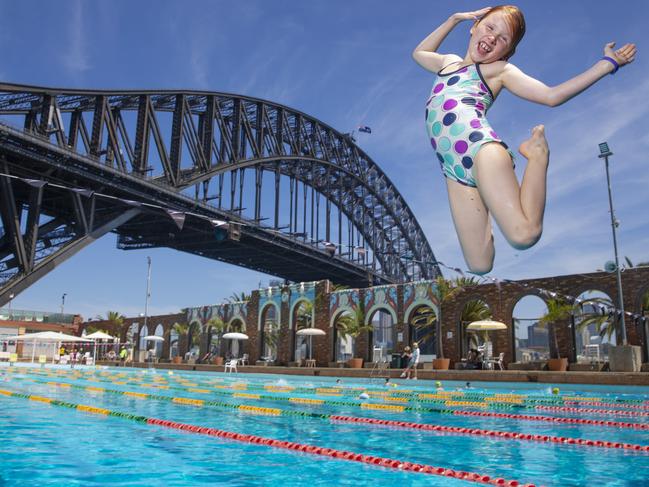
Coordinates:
<point>263,249</point>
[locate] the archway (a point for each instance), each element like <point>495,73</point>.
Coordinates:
<point>596,324</point>
<point>142,343</point>
<point>422,324</point>
<point>158,345</point>
<point>343,344</point>
<point>302,318</point>
<point>234,348</point>
<point>193,339</point>
<point>531,340</point>
<point>269,334</point>
<point>382,334</point>
<point>173,343</point>
<point>473,310</point>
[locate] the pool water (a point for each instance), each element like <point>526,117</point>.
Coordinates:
<point>50,445</point>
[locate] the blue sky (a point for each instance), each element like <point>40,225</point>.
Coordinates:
<point>347,63</point>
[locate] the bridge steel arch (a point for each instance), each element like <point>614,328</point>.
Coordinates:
<point>329,211</point>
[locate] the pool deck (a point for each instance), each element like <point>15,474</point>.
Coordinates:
<point>602,378</point>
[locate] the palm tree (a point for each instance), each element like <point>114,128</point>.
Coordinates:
<point>238,297</point>
<point>304,315</point>
<point>181,329</point>
<point>444,290</point>
<point>115,321</point>
<point>475,310</point>
<point>348,325</point>
<point>558,310</point>
<point>217,325</point>
<point>605,323</point>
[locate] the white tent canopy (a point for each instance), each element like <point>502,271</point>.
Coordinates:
<point>100,335</point>
<point>47,336</point>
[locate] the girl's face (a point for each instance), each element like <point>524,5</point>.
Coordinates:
<point>490,40</point>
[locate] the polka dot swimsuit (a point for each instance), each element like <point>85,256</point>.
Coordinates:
<point>456,123</point>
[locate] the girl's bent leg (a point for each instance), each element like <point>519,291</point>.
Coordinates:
<point>517,210</point>
<point>473,227</point>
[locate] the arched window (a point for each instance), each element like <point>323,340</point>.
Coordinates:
<point>302,318</point>
<point>596,325</point>
<point>531,340</point>
<point>269,334</point>
<point>423,324</point>
<point>144,331</point>
<point>159,332</point>
<point>173,343</point>
<point>343,343</point>
<point>235,347</point>
<point>382,334</point>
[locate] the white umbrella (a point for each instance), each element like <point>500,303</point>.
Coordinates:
<point>310,332</point>
<point>486,326</point>
<point>154,338</point>
<point>234,335</point>
<point>100,335</point>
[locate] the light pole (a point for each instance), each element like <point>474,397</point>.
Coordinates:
<point>63,302</point>
<point>11,297</point>
<point>604,153</point>
<point>148,293</point>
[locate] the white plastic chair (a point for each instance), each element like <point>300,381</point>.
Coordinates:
<point>231,365</point>
<point>244,359</point>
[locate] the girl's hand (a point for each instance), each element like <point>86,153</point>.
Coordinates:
<point>477,15</point>
<point>623,55</point>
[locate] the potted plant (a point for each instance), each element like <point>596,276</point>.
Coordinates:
<point>181,329</point>
<point>352,326</point>
<point>218,326</point>
<point>558,310</point>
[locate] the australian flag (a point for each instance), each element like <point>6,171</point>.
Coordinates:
<point>365,129</point>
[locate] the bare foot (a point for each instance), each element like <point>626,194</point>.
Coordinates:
<point>536,147</point>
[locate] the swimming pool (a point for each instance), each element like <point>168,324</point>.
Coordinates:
<point>148,427</point>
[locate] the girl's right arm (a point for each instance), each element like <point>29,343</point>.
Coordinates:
<point>425,53</point>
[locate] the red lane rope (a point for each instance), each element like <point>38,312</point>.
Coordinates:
<point>551,419</point>
<point>492,433</point>
<point>592,411</point>
<point>607,404</point>
<point>342,455</point>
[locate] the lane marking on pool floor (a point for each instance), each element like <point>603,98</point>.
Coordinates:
<point>456,412</point>
<point>447,398</point>
<point>299,447</point>
<point>456,430</point>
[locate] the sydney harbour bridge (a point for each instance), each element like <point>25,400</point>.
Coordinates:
<point>222,176</point>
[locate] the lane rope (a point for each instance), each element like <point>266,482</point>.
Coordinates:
<point>301,447</point>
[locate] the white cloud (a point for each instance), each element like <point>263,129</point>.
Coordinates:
<point>74,56</point>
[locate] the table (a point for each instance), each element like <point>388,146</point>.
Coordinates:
<point>310,362</point>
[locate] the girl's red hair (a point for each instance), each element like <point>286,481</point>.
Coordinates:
<point>516,22</point>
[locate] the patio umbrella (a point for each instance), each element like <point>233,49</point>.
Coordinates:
<point>99,335</point>
<point>310,332</point>
<point>235,335</point>
<point>486,326</point>
<point>154,338</point>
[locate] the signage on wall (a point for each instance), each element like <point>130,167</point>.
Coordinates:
<point>449,335</point>
<point>399,337</point>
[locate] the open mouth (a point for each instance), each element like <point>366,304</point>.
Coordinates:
<point>484,47</point>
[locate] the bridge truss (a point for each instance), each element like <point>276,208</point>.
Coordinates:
<point>232,178</point>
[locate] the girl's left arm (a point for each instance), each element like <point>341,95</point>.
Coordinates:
<point>534,90</point>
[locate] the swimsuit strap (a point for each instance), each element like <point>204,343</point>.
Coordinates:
<point>446,66</point>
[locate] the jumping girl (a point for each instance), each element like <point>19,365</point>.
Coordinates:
<point>478,166</point>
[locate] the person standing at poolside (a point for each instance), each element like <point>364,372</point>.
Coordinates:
<point>414,361</point>
<point>478,166</point>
